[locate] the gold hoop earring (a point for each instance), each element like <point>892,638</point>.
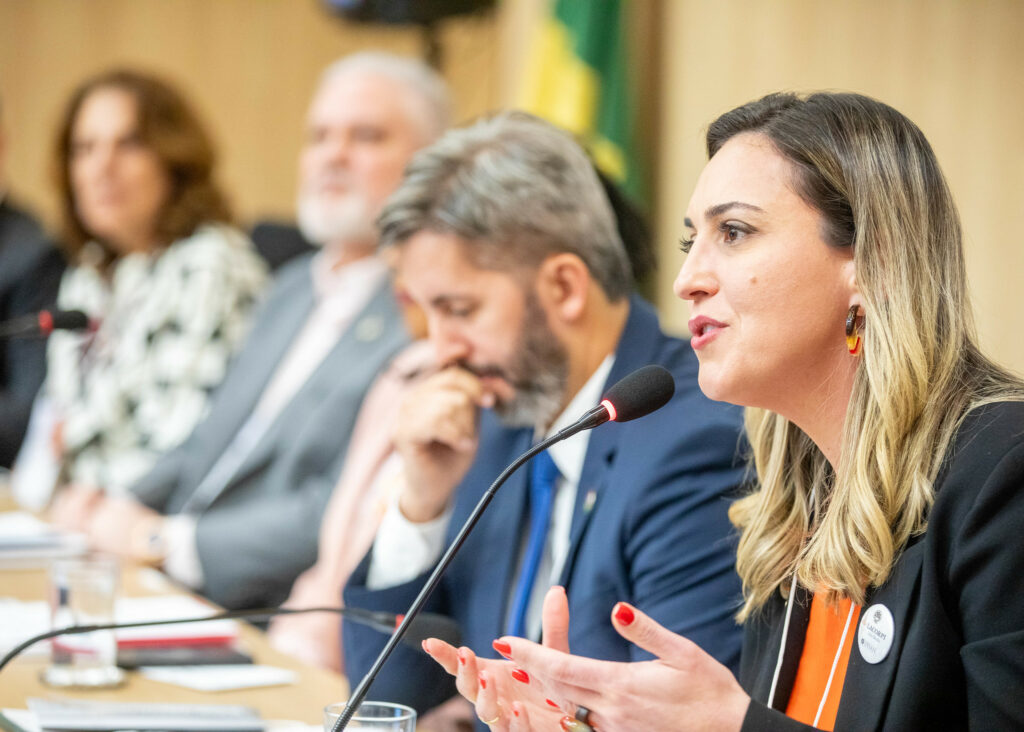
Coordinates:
<point>852,336</point>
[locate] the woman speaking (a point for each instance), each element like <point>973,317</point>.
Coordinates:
<point>879,546</point>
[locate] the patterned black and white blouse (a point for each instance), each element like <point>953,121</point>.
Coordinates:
<point>168,324</point>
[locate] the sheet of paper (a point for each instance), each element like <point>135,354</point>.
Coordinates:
<point>20,621</point>
<point>24,719</point>
<point>20,528</point>
<point>169,607</point>
<point>220,678</point>
<point>28,722</point>
<point>78,714</point>
<point>27,541</point>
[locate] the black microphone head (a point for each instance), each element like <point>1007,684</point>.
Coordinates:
<point>639,393</point>
<point>69,320</point>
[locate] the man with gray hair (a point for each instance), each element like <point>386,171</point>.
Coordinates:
<point>505,238</point>
<point>234,511</point>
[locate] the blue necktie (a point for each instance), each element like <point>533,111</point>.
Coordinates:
<point>543,474</point>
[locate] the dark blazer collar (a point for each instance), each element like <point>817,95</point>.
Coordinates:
<point>638,346</point>
<point>867,687</point>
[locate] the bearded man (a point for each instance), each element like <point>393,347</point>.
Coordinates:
<point>505,238</point>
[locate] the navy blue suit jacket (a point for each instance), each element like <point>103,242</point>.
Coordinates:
<point>649,527</point>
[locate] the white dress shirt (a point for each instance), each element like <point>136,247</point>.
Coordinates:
<point>403,550</point>
<point>340,294</point>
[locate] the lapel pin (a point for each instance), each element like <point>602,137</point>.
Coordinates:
<point>589,500</point>
<point>875,634</point>
<point>369,328</point>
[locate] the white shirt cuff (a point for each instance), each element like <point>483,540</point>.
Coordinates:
<point>403,550</point>
<point>182,560</point>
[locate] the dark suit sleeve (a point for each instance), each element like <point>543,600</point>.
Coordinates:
<point>24,359</point>
<point>410,677</point>
<point>986,570</point>
<point>157,486</point>
<point>680,544</point>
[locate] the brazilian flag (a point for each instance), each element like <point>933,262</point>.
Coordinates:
<point>576,78</point>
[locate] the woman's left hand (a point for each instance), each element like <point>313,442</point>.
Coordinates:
<point>502,694</point>
<point>682,689</point>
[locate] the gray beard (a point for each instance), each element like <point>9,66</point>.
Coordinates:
<point>540,373</point>
<point>321,224</point>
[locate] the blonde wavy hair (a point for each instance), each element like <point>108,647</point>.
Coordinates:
<point>873,176</point>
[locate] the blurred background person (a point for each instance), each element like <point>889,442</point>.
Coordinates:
<point>160,270</point>
<point>30,270</point>
<point>357,503</point>
<point>234,512</point>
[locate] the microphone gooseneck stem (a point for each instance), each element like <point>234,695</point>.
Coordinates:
<point>378,620</point>
<point>596,416</point>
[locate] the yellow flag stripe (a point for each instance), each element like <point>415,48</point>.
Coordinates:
<point>561,88</point>
<point>610,157</point>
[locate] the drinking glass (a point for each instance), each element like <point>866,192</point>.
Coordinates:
<point>82,592</point>
<point>371,715</point>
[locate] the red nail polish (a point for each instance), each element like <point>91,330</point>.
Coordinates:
<point>552,704</point>
<point>515,711</point>
<point>521,676</point>
<point>503,648</point>
<point>462,657</point>
<point>483,683</point>
<point>624,614</point>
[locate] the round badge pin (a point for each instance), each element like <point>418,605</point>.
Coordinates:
<point>875,633</point>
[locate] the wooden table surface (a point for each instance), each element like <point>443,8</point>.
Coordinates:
<point>303,701</point>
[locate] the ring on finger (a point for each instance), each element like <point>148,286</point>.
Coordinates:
<point>583,715</point>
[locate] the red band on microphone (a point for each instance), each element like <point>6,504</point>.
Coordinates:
<point>46,322</point>
<point>610,407</point>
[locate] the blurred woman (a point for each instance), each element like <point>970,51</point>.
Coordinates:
<point>165,278</point>
<point>879,546</point>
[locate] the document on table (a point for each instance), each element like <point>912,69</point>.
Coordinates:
<point>25,540</point>
<point>220,678</point>
<point>71,714</point>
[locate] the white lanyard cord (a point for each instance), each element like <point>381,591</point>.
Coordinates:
<point>835,663</point>
<point>782,645</point>
<point>782,651</point>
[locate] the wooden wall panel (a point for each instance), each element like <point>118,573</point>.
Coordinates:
<point>249,66</point>
<point>953,66</point>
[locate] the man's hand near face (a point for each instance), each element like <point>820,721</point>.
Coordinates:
<point>437,439</point>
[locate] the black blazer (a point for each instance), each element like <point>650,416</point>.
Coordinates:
<point>30,271</point>
<point>956,596</point>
